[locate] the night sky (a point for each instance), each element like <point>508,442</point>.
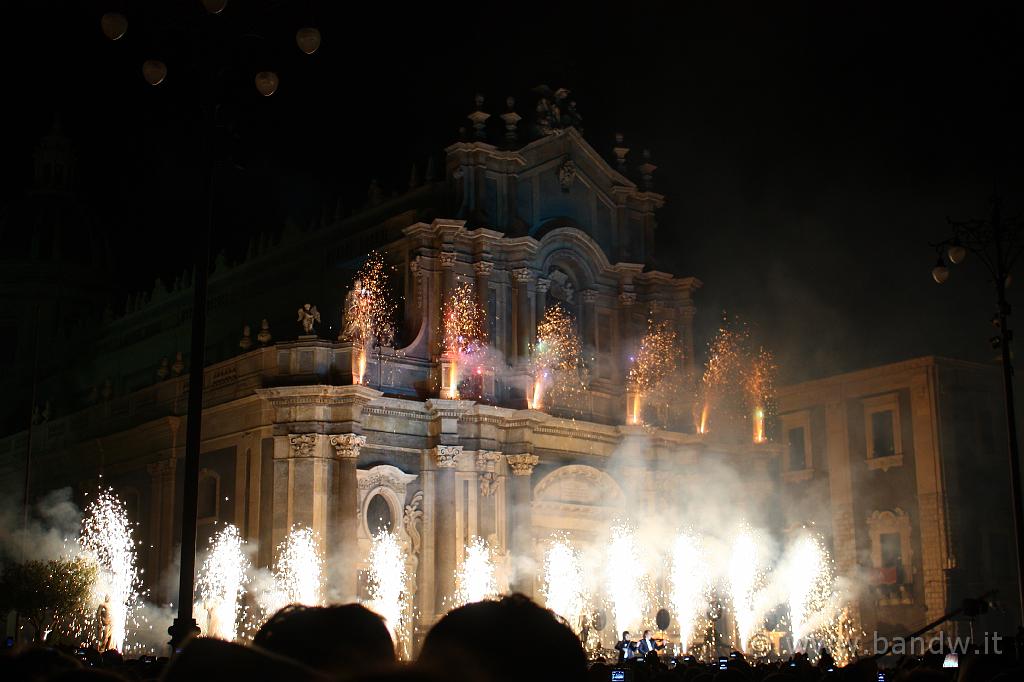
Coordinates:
<point>809,152</point>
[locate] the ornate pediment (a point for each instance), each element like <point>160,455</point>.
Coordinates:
<point>576,485</point>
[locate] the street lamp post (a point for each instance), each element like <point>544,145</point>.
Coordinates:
<point>995,242</point>
<point>266,83</point>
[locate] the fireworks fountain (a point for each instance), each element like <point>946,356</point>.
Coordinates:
<point>689,584</point>
<point>723,371</point>
<point>368,317</point>
<point>556,359</point>
<point>389,595</point>
<point>106,538</point>
<point>222,581</point>
<point>743,576</point>
<point>656,361</point>
<point>629,601</point>
<point>564,581</point>
<point>476,580</point>
<point>464,336</point>
<point>760,386</point>
<point>298,572</point>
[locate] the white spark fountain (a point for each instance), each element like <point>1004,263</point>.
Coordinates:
<point>564,585</point>
<point>743,574</point>
<point>625,579</point>
<point>298,573</point>
<point>476,579</point>
<point>106,538</point>
<point>222,581</point>
<point>389,597</point>
<point>689,583</point>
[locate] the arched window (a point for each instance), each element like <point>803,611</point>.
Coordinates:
<point>378,515</point>
<point>209,493</point>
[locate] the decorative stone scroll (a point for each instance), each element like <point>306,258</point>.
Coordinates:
<point>303,444</point>
<point>446,456</point>
<point>347,445</point>
<point>486,464</point>
<point>522,465</point>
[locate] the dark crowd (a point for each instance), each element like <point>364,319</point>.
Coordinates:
<point>511,640</point>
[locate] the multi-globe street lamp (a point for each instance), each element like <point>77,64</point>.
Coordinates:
<point>994,242</point>
<point>155,72</point>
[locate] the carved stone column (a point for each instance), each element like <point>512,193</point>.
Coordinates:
<point>520,545</point>
<point>541,296</point>
<point>161,519</point>
<point>487,475</point>
<point>588,321</point>
<point>447,259</point>
<point>483,270</point>
<point>445,459</point>
<point>525,327</point>
<point>343,531</point>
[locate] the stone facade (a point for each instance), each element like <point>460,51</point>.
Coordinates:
<point>905,466</point>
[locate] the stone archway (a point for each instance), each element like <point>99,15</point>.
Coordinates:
<point>576,498</point>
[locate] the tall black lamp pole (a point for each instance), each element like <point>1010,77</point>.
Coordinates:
<point>995,243</point>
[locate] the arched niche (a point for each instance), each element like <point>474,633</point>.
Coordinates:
<point>381,485</point>
<point>576,497</point>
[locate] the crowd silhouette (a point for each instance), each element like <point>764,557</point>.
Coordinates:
<point>512,639</point>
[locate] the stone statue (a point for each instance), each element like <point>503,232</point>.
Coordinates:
<point>308,316</point>
<point>352,317</point>
<point>179,365</point>
<point>104,626</point>
<point>555,111</point>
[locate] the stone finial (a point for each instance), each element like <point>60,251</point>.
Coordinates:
<point>179,365</point>
<point>483,268</point>
<point>511,119</point>
<point>431,173</point>
<point>264,336</point>
<point>446,456</point>
<point>647,169</point>
<point>479,119</point>
<point>245,343</point>
<point>621,150</point>
<point>303,444</point>
<point>486,464</point>
<point>164,370</point>
<point>522,465</point>
<point>347,445</point>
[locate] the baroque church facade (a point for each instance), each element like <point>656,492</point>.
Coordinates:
<point>290,437</point>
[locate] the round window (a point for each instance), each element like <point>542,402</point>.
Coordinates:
<point>378,515</point>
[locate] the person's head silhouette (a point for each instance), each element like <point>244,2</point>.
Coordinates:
<point>333,639</point>
<point>483,642</point>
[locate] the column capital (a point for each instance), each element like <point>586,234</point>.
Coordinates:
<point>522,275</point>
<point>543,284</point>
<point>483,268</point>
<point>446,456</point>
<point>163,467</point>
<point>589,295</point>
<point>303,444</point>
<point>627,298</point>
<point>447,259</point>
<point>522,465</point>
<point>347,445</point>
